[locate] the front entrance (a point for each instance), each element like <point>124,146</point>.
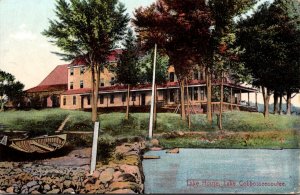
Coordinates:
<point>143,96</point>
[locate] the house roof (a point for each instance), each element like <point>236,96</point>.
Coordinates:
<point>47,88</point>
<point>58,76</point>
<point>113,57</point>
<point>57,80</point>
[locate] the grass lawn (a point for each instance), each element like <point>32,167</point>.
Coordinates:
<point>258,131</point>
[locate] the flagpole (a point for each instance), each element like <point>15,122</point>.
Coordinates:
<point>152,97</point>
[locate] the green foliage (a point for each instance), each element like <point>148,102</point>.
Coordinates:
<point>161,72</point>
<point>10,89</point>
<point>128,70</point>
<point>106,146</point>
<point>271,41</point>
<point>269,140</point>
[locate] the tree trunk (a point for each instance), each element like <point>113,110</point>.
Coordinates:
<point>280,103</point>
<point>266,97</point>
<point>275,102</point>
<point>95,91</point>
<point>221,103</point>
<point>183,116</point>
<point>127,102</point>
<point>208,93</point>
<point>2,107</point>
<point>155,107</point>
<point>288,102</point>
<point>188,104</point>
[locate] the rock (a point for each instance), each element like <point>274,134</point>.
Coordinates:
<point>180,133</point>
<point>122,149</point>
<point>151,157</point>
<point>106,175</point>
<point>34,188</point>
<point>124,185</point>
<point>127,177</point>
<point>69,191</point>
<point>134,170</point>
<point>47,187</point>
<point>155,149</point>
<point>55,191</point>
<point>89,187</point>
<point>155,142</point>
<point>121,191</point>
<point>96,174</point>
<point>116,175</point>
<point>67,183</point>
<point>31,183</point>
<point>35,192</point>
<point>10,190</point>
<point>173,151</point>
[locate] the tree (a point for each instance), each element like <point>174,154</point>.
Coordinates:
<point>173,25</point>
<point>223,57</point>
<point>162,65</point>
<point>271,41</point>
<point>88,29</point>
<point>128,70</point>
<point>10,89</point>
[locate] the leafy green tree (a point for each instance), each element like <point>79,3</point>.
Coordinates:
<point>271,42</point>
<point>10,89</point>
<point>128,69</point>
<point>161,73</point>
<point>88,29</point>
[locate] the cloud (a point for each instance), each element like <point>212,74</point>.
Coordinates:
<point>23,34</point>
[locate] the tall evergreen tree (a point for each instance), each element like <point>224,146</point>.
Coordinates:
<point>88,29</point>
<point>128,69</point>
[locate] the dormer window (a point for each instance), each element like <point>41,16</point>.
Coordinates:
<point>71,71</point>
<point>196,75</point>
<point>112,82</point>
<point>102,82</point>
<point>82,69</point>
<point>71,85</point>
<point>172,75</point>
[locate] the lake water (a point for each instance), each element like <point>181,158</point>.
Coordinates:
<point>223,171</point>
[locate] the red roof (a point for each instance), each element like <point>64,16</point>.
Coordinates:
<point>113,57</point>
<point>57,80</point>
<point>58,76</point>
<point>47,88</point>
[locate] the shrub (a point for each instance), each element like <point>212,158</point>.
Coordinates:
<point>106,146</point>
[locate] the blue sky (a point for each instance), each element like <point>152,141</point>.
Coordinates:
<point>24,52</point>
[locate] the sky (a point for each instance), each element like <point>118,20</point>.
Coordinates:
<point>25,52</point>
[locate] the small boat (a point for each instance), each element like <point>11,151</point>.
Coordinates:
<point>41,144</point>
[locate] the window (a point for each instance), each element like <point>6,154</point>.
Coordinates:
<point>89,100</point>
<point>71,71</point>
<point>101,99</point>
<point>196,77</point>
<point>112,98</point>
<point>201,76</point>
<point>172,74</point>
<point>195,93</point>
<point>102,82</point>
<point>202,94</point>
<point>82,69</point>
<point>133,98</point>
<point>81,84</point>
<point>172,95</point>
<point>71,85</point>
<point>65,101</point>
<point>112,82</point>
<point>124,97</point>
<point>74,100</point>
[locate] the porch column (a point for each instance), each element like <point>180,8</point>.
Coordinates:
<point>240,96</point>
<point>231,107</point>
<point>248,99</point>
<point>256,100</point>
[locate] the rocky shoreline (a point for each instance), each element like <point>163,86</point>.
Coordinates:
<point>122,174</point>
